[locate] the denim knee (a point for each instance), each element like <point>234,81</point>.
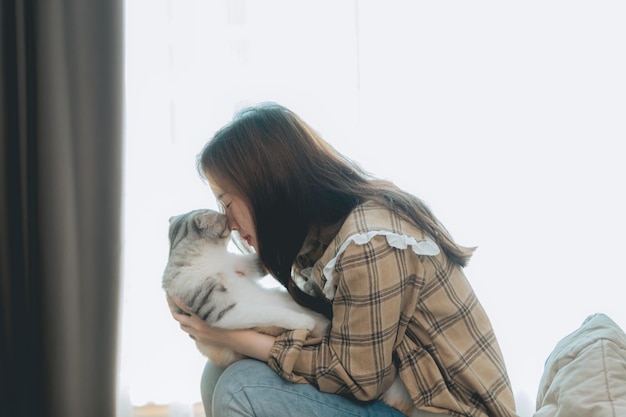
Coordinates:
<point>210,376</point>
<point>251,388</point>
<point>230,396</point>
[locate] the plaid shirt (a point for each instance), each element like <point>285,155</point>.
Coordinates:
<point>398,311</point>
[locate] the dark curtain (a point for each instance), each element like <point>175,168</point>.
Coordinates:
<point>60,206</point>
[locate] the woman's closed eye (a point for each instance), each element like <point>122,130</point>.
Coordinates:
<point>224,205</point>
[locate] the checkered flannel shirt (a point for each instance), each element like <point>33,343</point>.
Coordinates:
<point>396,311</point>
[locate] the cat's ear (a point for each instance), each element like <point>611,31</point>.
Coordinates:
<point>202,221</point>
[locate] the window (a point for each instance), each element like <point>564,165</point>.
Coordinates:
<point>505,119</point>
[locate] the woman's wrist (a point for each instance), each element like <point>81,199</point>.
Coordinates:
<point>247,342</point>
<point>250,343</point>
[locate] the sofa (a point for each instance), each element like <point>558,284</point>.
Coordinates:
<point>585,375</point>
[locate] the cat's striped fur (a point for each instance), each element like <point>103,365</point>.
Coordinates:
<point>221,287</point>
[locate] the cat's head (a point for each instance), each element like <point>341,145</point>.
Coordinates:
<point>204,224</point>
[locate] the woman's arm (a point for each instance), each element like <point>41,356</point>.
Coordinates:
<point>375,290</point>
<point>247,342</point>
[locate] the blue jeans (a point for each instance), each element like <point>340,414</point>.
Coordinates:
<point>251,388</point>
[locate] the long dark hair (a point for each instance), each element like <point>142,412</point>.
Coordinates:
<point>293,180</point>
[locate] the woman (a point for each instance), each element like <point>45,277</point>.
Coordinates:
<point>369,256</point>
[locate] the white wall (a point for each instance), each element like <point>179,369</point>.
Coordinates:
<point>507,118</point>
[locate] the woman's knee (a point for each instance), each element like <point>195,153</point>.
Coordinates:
<point>234,391</point>
<point>250,387</point>
<point>210,376</point>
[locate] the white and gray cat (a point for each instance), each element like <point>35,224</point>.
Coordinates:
<point>222,288</point>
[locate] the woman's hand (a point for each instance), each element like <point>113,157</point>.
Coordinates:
<point>192,324</point>
<point>247,342</point>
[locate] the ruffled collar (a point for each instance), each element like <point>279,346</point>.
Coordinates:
<point>317,260</point>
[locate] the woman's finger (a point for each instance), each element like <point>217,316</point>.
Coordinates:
<point>179,303</point>
<point>170,302</point>
<point>186,327</point>
<point>177,306</point>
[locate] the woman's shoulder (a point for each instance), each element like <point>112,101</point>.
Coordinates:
<point>368,223</point>
<point>373,216</point>
<point>372,220</point>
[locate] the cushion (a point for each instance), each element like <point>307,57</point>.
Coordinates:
<point>585,375</point>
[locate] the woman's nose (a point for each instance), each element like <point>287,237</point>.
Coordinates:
<point>232,224</point>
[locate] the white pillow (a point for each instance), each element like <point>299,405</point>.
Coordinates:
<point>585,375</point>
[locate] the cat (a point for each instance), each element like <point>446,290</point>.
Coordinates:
<point>223,289</point>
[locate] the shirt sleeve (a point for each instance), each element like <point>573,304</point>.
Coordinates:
<point>355,358</point>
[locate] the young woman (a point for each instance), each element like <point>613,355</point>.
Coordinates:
<point>368,255</point>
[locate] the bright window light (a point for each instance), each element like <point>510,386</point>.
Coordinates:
<point>507,119</point>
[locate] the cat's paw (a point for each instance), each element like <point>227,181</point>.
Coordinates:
<point>298,321</point>
<point>316,323</point>
<point>322,324</point>
<point>307,323</point>
<point>320,329</point>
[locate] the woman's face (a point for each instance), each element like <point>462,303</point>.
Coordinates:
<point>237,212</point>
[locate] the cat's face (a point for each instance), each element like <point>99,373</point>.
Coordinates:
<point>208,225</point>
